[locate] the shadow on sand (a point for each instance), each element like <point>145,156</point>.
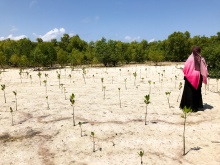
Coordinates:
<point>206,106</point>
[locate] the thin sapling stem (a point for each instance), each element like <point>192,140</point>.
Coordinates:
<point>180,87</point>
<point>12,121</point>
<point>93,140</point>
<point>141,154</point>
<point>186,111</point>
<point>3,89</point>
<point>15,93</point>
<point>146,101</point>
<point>72,101</point>
<point>168,97</point>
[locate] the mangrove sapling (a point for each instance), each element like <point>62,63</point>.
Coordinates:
<point>72,101</point>
<point>146,72</point>
<point>125,80</point>
<point>149,82</point>
<point>11,111</point>
<point>119,90</point>
<point>27,74</point>
<point>104,87</point>
<point>135,76</point>
<point>39,75</point>
<point>64,91</point>
<point>31,78</point>
<point>168,97</point>
<point>15,93</point>
<point>3,89</point>
<point>175,80</point>
<point>93,140</point>
<point>62,86</point>
<point>159,76</point>
<point>208,82</point>
<point>217,79</point>
<point>141,154</point>
<point>102,80</point>
<point>146,101</point>
<point>80,125</point>
<point>120,71</point>
<point>70,77</point>
<point>84,74</point>
<point>58,76</point>
<point>186,111</point>
<point>46,75</point>
<point>20,73</point>
<point>48,106</point>
<point>180,87</point>
<point>164,73</point>
<point>45,84</point>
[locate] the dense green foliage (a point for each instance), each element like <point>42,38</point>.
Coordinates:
<point>74,51</point>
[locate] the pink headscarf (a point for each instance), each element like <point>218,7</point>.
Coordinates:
<point>194,66</point>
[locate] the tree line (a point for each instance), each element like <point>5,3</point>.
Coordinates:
<point>74,51</point>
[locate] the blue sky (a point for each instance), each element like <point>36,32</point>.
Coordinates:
<point>124,20</point>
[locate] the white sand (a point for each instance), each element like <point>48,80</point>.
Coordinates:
<point>42,136</point>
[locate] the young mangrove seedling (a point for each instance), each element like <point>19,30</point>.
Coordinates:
<point>80,125</point>
<point>45,84</point>
<point>102,80</point>
<point>146,72</point>
<point>48,107</point>
<point>125,80</point>
<point>217,79</point>
<point>164,73</point>
<point>104,87</point>
<point>119,90</point>
<point>84,74</point>
<point>72,101</point>
<point>70,77</point>
<point>3,89</point>
<point>46,76</point>
<point>141,154</point>
<point>135,76</point>
<point>58,76</point>
<point>15,93</point>
<point>93,140</point>
<point>149,82</point>
<point>31,78</point>
<point>208,83</point>
<point>27,74</point>
<point>180,87</point>
<point>12,121</point>
<point>64,91</point>
<point>39,75</point>
<point>146,101</point>
<point>159,76</point>
<point>186,111</point>
<point>20,73</point>
<point>175,80</point>
<point>168,97</point>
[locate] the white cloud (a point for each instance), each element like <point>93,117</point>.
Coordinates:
<point>152,40</point>
<point>52,34</point>
<point>129,38</point>
<point>13,38</point>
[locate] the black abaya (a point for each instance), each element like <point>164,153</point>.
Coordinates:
<point>192,98</point>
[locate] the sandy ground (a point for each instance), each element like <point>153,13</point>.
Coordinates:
<point>42,136</point>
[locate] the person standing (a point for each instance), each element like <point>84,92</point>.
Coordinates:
<point>195,72</point>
